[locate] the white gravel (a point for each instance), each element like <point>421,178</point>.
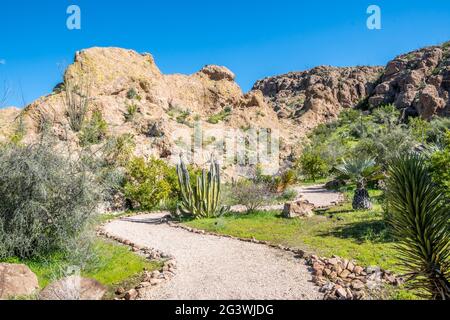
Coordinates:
<point>211,267</point>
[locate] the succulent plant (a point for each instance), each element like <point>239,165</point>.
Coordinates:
<point>203,199</point>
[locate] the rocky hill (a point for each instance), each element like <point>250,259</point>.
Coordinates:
<point>122,82</point>
<point>417,83</point>
<point>318,95</point>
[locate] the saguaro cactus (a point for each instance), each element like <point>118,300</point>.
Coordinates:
<point>202,200</point>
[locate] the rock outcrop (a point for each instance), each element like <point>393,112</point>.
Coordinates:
<point>417,82</point>
<point>164,104</point>
<point>166,107</point>
<point>314,96</point>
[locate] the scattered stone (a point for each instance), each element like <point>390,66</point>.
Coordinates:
<point>131,294</point>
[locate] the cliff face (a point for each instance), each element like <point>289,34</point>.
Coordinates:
<point>417,83</point>
<point>317,95</point>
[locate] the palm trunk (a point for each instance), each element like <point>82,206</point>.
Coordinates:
<point>361,199</point>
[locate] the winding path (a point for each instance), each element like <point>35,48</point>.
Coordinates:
<point>211,267</point>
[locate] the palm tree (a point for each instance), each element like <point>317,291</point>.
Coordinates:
<point>419,216</point>
<point>360,171</point>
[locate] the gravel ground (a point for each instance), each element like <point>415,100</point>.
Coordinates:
<point>316,194</point>
<point>211,267</point>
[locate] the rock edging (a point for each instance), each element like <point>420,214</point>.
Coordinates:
<point>343,279</point>
<point>338,279</point>
<point>150,279</point>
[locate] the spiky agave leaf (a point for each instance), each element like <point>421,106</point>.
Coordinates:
<point>420,221</point>
<point>202,201</point>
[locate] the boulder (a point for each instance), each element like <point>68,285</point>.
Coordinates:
<point>73,288</point>
<point>17,280</point>
<point>301,208</point>
<point>217,73</point>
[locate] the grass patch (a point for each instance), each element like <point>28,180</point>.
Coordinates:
<point>114,265</point>
<point>359,235</point>
<point>221,116</point>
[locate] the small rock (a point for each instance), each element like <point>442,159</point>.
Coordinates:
<point>155,281</point>
<point>358,270</point>
<point>131,294</point>
<point>357,285</point>
<point>350,266</point>
<point>120,291</point>
<point>327,271</point>
<point>344,274</point>
<point>333,261</point>
<point>372,269</point>
<point>341,293</point>
<point>144,284</point>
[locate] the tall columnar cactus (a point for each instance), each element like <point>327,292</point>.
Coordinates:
<point>202,200</point>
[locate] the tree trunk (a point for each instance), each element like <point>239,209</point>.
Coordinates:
<point>361,200</point>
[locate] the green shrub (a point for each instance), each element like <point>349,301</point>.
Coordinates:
<point>119,150</point>
<point>440,166</point>
<point>313,165</point>
<point>147,183</point>
<point>251,195</point>
<point>76,99</point>
<point>94,131</point>
<point>419,216</point>
<point>19,132</point>
<point>132,109</point>
<point>132,94</point>
<point>221,116</point>
<point>46,200</point>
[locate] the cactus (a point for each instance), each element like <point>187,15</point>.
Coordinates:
<point>202,200</point>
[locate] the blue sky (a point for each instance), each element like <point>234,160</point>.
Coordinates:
<point>253,38</point>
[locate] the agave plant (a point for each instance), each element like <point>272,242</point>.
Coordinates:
<point>202,200</point>
<point>419,218</point>
<point>360,171</point>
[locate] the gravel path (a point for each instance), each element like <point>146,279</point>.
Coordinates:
<point>315,194</point>
<point>211,267</point>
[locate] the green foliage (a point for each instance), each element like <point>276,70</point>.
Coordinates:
<point>119,150</point>
<point>132,94</point>
<point>76,99</point>
<point>113,265</point>
<point>132,109</point>
<point>419,128</point>
<point>313,165</point>
<point>420,221</point>
<point>94,131</point>
<point>19,132</point>
<point>46,200</point>
<point>146,182</point>
<point>440,166</point>
<point>221,116</point>
<point>250,194</point>
<point>202,200</point>
<point>360,171</point>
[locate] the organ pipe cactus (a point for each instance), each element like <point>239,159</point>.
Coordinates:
<point>203,199</point>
